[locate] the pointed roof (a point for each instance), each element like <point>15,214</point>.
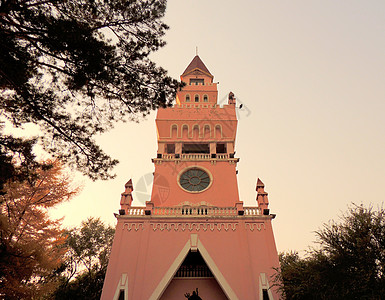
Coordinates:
<point>197,63</point>
<point>128,184</point>
<point>260,183</point>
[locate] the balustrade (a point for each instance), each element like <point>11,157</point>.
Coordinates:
<point>135,211</point>
<point>194,211</point>
<point>252,211</point>
<point>197,156</point>
<point>193,271</point>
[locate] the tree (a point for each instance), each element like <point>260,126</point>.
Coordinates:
<point>18,161</point>
<point>86,262</point>
<point>75,67</point>
<point>32,243</point>
<point>349,263</point>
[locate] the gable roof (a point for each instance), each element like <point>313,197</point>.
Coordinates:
<point>197,63</point>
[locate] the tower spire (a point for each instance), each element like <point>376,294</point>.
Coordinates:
<point>195,64</point>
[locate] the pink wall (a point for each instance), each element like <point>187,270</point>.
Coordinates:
<point>223,116</point>
<point>222,192</point>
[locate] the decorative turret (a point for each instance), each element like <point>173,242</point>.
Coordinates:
<point>262,199</point>
<point>232,99</point>
<point>126,199</point>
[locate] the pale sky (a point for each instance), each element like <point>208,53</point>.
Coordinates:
<point>310,75</point>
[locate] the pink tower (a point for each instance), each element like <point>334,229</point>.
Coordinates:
<point>194,239</point>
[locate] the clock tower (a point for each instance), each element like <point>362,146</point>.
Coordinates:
<point>196,145</point>
<point>194,238</point>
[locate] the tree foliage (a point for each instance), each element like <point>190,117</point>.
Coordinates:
<point>17,161</point>
<point>74,68</point>
<point>32,243</point>
<point>349,263</point>
<point>88,250</point>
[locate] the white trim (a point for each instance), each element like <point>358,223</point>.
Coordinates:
<point>122,285</point>
<point>194,242</point>
<point>264,285</point>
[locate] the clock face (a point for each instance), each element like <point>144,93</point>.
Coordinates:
<point>194,180</point>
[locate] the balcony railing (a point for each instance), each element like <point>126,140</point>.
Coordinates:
<point>196,156</point>
<point>193,211</point>
<point>252,211</point>
<point>136,211</point>
<point>193,271</point>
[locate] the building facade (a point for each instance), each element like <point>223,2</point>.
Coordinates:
<point>194,239</point>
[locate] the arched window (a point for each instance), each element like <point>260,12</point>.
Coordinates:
<point>174,131</point>
<point>196,98</point>
<point>205,98</point>
<point>196,132</point>
<point>218,131</point>
<point>207,132</point>
<point>187,98</point>
<point>185,132</point>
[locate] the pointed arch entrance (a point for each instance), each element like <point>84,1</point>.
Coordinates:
<point>214,281</point>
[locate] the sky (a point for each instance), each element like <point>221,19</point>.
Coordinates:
<point>310,76</point>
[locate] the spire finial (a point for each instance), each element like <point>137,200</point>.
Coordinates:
<point>196,50</point>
